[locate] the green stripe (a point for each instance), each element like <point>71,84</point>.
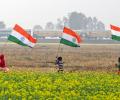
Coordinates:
<point>63,41</point>
<point>14,39</point>
<point>114,37</point>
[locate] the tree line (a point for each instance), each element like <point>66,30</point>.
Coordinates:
<point>76,21</point>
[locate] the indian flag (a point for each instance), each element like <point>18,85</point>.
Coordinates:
<point>70,38</point>
<point>115,32</point>
<point>20,36</point>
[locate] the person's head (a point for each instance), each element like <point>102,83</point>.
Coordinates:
<point>1,56</point>
<point>60,58</point>
<point>118,59</point>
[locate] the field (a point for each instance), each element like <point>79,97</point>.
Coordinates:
<point>87,57</point>
<point>90,73</point>
<point>32,85</point>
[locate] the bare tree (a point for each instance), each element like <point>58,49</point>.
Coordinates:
<point>77,21</point>
<point>59,24</point>
<point>49,26</point>
<point>37,28</point>
<point>2,25</point>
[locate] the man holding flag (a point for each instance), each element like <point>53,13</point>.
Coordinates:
<point>70,38</point>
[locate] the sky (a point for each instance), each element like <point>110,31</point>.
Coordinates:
<point>28,13</point>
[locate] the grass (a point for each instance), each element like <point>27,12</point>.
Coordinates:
<point>87,57</point>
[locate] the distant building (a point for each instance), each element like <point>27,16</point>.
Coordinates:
<point>105,34</point>
<point>4,33</point>
<point>56,34</point>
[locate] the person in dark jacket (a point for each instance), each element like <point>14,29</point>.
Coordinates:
<point>59,64</point>
<point>3,66</point>
<point>118,65</point>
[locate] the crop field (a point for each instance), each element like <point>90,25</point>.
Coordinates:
<point>34,85</point>
<point>89,73</point>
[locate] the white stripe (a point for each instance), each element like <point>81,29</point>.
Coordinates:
<point>115,33</point>
<point>26,41</point>
<point>69,38</point>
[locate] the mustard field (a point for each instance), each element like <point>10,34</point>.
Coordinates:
<point>34,85</point>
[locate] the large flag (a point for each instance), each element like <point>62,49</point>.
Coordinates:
<point>20,36</point>
<point>115,32</point>
<point>70,38</point>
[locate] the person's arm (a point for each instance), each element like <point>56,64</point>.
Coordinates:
<point>55,62</point>
<point>116,65</point>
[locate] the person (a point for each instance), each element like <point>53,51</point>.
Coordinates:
<point>59,64</point>
<point>118,65</point>
<point>3,66</point>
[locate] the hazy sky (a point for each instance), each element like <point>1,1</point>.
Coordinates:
<point>28,13</point>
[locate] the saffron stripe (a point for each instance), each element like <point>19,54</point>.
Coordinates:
<point>23,39</point>
<point>70,32</point>
<point>24,33</point>
<point>115,28</point>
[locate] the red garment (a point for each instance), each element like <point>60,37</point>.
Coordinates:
<point>2,61</point>
<point>118,72</point>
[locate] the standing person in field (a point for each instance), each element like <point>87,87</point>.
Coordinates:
<point>118,65</point>
<point>59,64</point>
<point>3,66</point>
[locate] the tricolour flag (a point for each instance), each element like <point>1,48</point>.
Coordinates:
<point>20,36</point>
<point>115,32</point>
<point>70,38</point>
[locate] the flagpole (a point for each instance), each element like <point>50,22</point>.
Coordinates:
<point>46,57</point>
<point>59,44</point>
<point>58,49</point>
<point>31,49</point>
